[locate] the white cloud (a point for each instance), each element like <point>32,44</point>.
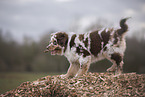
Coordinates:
<point>143,8</point>
<point>129,12</point>
<point>28,1</point>
<point>142,25</point>
<point>63,0</point>
<point>25,16</point>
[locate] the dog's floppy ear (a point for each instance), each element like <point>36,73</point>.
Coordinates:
<point>62,38</point>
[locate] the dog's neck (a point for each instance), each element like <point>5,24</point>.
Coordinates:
<point>67,48</point>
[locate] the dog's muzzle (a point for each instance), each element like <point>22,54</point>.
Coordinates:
<point>47,49</point>
<point>51,47</point>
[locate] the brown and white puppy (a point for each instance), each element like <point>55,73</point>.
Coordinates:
<point>83,49</point>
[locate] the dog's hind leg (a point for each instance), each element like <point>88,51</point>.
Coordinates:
<point>117,60</point>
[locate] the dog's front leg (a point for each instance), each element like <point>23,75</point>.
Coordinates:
<point>73,69</point>
<point>84,65</point>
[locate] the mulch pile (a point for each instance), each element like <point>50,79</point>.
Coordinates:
<point>91,84</point>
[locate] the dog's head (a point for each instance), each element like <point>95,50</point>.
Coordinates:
<point>58,43</point>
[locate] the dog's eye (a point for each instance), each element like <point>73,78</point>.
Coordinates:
<point>55,43</point>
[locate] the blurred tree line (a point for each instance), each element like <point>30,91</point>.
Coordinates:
<point>29,56</point>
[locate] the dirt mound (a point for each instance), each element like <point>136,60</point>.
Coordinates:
<point>91,84</point>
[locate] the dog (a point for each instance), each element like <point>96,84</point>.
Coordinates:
<point>83,49</point>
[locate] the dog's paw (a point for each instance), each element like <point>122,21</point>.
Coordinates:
<point>64,76</point>
<point>110,69</point>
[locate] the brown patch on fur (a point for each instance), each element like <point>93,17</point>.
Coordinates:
<point>105,37</point>
<point>119,33</point>
<point>123,25</point>
<point>72,43</point>
<point>81,50</point>
<point>115,38</point>
<point>86,42</point>
<point>117,58</point>
<point>62,39</point>
<point>105,48</point>
<point>81,37</point>
<point>95,43</point>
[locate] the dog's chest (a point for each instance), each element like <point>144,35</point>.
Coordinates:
<point>71,55</point>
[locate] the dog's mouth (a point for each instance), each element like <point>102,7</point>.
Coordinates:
<point>54,51</point>
<point>57,50</point>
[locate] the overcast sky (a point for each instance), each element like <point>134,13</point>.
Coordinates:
<point>34,17</point>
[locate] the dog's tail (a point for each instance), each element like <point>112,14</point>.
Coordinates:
<point>123,25</point>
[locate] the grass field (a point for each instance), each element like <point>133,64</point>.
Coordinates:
<point>10,80</point>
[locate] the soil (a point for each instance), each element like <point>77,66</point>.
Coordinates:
<point>91,84</point>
